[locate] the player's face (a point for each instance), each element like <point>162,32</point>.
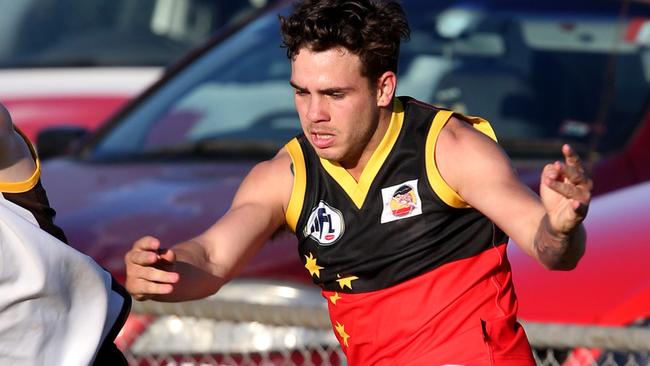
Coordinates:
<point>337,106</point>
<point>404,198</point>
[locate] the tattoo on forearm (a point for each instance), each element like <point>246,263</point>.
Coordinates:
<point>545,238</point>
<point>559,250</point>
<point>555,249</point>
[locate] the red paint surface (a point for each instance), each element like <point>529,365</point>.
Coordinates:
<point>33,114</point>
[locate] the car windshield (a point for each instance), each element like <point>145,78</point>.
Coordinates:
<point>55,33</point>
<point>542,74</point>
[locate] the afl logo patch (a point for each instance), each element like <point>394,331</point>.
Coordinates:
<point>401,201</point>
<point>325,224</point>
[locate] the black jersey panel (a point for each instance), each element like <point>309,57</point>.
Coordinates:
<point>36,202</point>
<point>402,230</point>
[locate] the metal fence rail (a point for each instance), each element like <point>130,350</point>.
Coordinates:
<point>623,339</point>
<point>225,332</point>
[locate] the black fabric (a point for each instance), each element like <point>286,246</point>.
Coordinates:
<point>379,255</point>
<point>108,353</point>
<point>35,201</point>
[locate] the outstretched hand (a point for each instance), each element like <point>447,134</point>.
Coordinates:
<point>150,269</point>
<point>565,190</point>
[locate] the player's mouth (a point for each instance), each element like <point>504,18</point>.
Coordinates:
<point>322,140</point>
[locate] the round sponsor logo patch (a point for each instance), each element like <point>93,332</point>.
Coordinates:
<point>325,224</point>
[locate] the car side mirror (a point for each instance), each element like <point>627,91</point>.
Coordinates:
<point>56,141</point>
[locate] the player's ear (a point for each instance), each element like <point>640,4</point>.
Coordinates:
<point>386,84</point>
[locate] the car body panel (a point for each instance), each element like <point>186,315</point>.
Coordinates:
<point>110,206</point>
<point>611,284</point>
<point>628,166</point>
<point>39,98</point>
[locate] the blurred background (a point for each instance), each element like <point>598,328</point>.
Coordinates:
<point>76,61</point>
<point>147,114</point>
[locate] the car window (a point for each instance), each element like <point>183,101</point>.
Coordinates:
<point>109,33</point>
<point>541,74</point>
<point>247,92</point>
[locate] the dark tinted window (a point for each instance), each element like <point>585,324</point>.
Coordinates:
<point>542,74</point>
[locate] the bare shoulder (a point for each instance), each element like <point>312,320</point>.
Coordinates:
<point>275,170</point>
<point>270,181</point>
<point>281,159</point>
<point>464,154</point>
<point>16,161</point>
<point>460,140</point>
<point>458,131</point>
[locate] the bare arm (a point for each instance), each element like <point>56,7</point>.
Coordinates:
<point>548,228</point>
<point>199,267</point>
<point>16,161</point>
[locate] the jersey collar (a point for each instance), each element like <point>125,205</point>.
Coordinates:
<point>357,191</point>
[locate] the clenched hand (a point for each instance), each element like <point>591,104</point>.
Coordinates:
<point>150,269</point>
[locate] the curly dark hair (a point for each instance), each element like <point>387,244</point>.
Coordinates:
<point>371,29</point>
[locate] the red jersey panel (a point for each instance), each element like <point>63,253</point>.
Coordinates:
<point>431,320</point>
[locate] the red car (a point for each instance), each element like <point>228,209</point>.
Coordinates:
<point>543,73</point>
<point>78,61</point>
<point>611,285</point>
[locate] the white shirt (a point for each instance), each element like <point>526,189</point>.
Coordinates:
<point>55,302</point>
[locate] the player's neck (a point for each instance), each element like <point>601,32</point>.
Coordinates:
<point>356,166</point>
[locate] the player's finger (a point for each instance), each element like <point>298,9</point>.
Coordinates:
<point>571,158</point>
<point>569,190</point>
<point>580,209</point>
<point>158,275</point>
<point>149,273</point>
<point>142,289</point>
<point>552,172</point>
<point>147,243</point>
<point>577,176</point>
<point>167,255</point>
<point>141,258</point>
<point>574,174</point>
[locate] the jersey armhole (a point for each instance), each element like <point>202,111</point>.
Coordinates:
<point>441,188</point>
<point>299,184</point>
<point>29,183</point>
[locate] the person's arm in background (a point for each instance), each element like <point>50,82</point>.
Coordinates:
<point>549,228</point>
<point>16,161</point>
<point>199,267</point>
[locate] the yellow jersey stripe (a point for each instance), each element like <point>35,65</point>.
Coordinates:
<point>299,184</point>
<point>359,191</point>
<point>438,184</point>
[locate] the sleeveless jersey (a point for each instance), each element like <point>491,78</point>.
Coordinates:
<point>405,264</point>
